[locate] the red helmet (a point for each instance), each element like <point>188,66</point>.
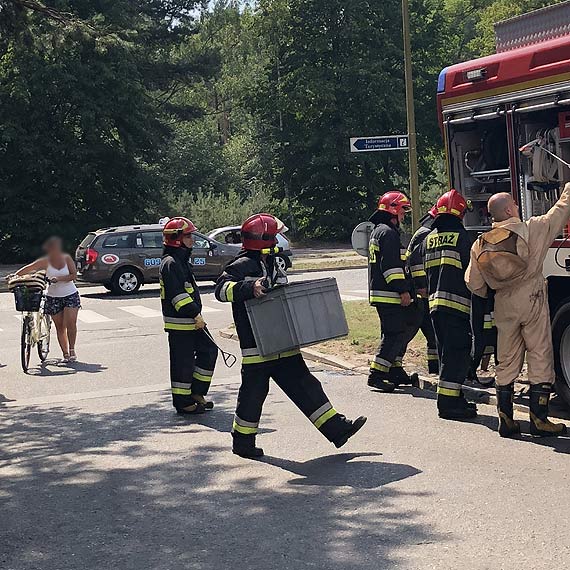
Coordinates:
<point>394,202</point>
<point>260,232</point>
<point>175,229</point>
<point>453,203</point>
<point>433,211</point>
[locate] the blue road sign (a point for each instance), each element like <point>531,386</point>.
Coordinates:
<point>375,144</point>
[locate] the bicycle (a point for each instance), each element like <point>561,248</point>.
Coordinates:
<point>36,325</point>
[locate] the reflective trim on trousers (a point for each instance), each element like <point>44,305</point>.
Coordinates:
<point>181,388</point>
<point>322,415</point>
<point>449,388</point>
<point>244,427</point>
<point>380,364</point>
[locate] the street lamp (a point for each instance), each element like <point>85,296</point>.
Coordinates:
<point>412,150</point>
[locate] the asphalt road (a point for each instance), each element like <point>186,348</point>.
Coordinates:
<point>96,472</point>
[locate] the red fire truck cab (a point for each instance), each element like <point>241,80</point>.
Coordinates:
<point>492,106</point>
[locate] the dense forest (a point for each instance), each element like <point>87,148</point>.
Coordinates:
<point>123,111</point>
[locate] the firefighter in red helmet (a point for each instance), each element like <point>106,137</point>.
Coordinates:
<point>192,354</point>
<point>250,275</point>
<point>446,252</point>
<point>391,292</point>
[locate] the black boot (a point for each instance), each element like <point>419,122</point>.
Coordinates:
<point>539,422</point>
<point>399,377</point>
<point>380,381</point>
<point>207,404</point>
<point>244,446</point>
<point>471,405</point>
<point>351,428</point>
<point>454,408</point>
<point>508,426</point>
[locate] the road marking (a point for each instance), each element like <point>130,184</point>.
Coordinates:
<point>87,316</point>
<point>141,311</point>
<point>210,310</point>
<point>364,291</point>
<point>352,298</point>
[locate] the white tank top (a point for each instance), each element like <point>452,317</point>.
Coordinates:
<point>60,289</point>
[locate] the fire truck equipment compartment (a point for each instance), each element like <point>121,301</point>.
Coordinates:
<point>297,314</point>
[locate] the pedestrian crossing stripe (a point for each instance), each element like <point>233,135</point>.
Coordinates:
<point>87,316</point>
<point>141,311</point>
<point>210,310</point>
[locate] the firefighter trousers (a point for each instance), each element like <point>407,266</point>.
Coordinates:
<point>426,327</point>
<point>300,386</point>
<point>523,324</point>
<point>192,361</point>
<point>398,326</point>
<point>453,334</point>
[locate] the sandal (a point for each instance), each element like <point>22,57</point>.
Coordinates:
<point>65,357</point>
<point>72,356</point>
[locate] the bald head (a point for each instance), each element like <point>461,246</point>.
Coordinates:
<point>501,206</point>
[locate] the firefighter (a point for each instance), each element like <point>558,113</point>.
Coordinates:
<point>508,259</point>
<point>417,270</point>
<point>391,292</point>
<point>249,276</point>
<point>192,354</point>
<point>446,256</point>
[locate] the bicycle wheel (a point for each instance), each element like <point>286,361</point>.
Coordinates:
<point>26,342</point>
<point>44,337</point>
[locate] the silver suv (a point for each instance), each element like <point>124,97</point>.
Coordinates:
<point>124,258</point>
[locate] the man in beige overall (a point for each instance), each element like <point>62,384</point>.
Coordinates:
<point>509,260</point>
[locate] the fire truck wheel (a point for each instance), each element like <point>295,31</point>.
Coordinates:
<point>561,343</point>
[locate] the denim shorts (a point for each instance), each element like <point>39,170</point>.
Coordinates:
<point>55,305</point>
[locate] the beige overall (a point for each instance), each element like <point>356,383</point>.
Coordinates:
<point>521,300</point>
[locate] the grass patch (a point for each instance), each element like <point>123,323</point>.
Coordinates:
<point>330,263</point>
<point>363,338</point>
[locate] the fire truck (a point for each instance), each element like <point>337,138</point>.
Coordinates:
<point>491,107</point>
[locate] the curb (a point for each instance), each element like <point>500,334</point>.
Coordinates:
<point>299,271</point>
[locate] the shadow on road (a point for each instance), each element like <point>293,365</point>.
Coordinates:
<point>134,489</point>
<point>344,469</point>
<point>152,292</point>
<point>56,367</point>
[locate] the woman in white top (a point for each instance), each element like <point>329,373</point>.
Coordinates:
<point>63,301</point>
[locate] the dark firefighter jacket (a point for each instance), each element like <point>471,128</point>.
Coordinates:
<point>389,275</point>
<point>235,286</point>
<point>415,261</point>
<point>179,294</point>
<point>446,253</point>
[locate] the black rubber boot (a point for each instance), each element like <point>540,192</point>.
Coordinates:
<point>208,404</point>
<point>399,377</point>
<point>381,381</point>
<point>508,426</point>
<point>191,410</point>
<point>433,366</point>
<point>352,428</point>
<point>454,408</point>
<point>539,423</point>
<point>471,405</point>
<point>244,446</point>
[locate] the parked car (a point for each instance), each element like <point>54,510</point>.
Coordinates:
<point>232,235</point>
<point>124,258</point>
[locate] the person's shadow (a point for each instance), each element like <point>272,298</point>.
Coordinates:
<point>344,469</point>
<point>56,367</point>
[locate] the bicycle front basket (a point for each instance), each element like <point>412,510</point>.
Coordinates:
<point>27,299</point>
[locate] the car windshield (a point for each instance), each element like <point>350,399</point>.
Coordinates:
<point>87,240</point>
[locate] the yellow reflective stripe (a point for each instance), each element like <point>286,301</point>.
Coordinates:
<point>444,261</point>
<point>376,366</point>
<point>420,273</point>
<point>162,292</point>
<point>432,357</point>
<point>325,417</point>
<point>183,302</point>
<point>451,304</point>
<point>448,392</point>
<point>258,358</point>
<point>202,377</point>
<point>488,326</point>
<point>230,291</point>
<point>188,287</point>
<point>244,430</point>
<point>392,300</point>
<point>179,327</point>
<point>181,391</point>
<point>395,276</point>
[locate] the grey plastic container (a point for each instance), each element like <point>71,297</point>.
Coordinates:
<point>297,314</point>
